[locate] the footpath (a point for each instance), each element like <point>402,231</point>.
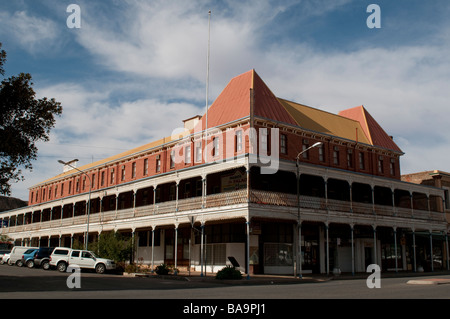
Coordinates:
<point>435,278</point>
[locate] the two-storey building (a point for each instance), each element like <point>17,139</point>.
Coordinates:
<point>251,178</point>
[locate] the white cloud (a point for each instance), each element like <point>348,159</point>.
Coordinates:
<point>33,33</point>
<point>160,48</point>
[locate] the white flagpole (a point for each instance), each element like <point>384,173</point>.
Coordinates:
<point>207,86</point>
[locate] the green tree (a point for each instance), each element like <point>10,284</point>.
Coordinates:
<point>24,121</point>
<point>113,245</point>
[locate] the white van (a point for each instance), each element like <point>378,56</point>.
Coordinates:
<point>17,253</point>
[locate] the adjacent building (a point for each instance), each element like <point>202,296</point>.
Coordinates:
<point>250,179</point>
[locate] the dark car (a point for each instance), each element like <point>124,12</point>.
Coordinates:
<point>42,257</point>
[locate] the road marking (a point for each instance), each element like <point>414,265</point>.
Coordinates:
<point>429,281</point>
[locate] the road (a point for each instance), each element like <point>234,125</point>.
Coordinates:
<point>24,283</point>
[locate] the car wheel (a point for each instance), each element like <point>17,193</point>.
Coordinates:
<point>100,269</point>
<point>30,263</point>
<point>45,265</point>
<point>62,267</point>
<point>19,263</point>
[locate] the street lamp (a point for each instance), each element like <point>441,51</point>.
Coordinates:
<point>89,199</point>
<point>299,232</point>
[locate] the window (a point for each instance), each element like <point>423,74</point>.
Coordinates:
<point>336,155</point>
<point>103,179</point>
<point>123,173</point>
<point>77,186</point>
<point>86,254</point>
<point>133,170</point>
<point>158,163</point>
<point>112,176</point>
<point>264,147</point>
<point>380,165</point>
<point>238,141</point>
<point>62,189</point>
<point>361,160</point>
<point>322,153</point>
<point>305,146</point>
<point>56,190</point>
<point>198,151</point>
<point>70,187</point>
<point>172,159</point>
<point>187,155</point>
<point>215,150</point>
<point>283,144</point>
<point>92,181</point>
<point>146,166</point>
<point>75,253</point>
<point>350,158</point>
<point>392,166</point>
<point>84,182</point>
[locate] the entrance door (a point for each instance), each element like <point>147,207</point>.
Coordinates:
<point>182,249</point>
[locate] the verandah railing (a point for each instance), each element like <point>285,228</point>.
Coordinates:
<point>241,196</point>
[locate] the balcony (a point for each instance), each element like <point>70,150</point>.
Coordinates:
<point>317,205</point>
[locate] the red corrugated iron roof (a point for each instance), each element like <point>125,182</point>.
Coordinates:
<point>373,130</point>
<point>233,103</point>
<point>267,104</point>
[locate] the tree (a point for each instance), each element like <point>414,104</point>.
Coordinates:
<point>113,245</point>
<point>24,121</point>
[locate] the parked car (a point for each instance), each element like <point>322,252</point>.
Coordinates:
<point>3,252</point>
<point>5,258</point>
<point>17,253</point>
<point>42,258</point>
<point>27,257</point>
<point>62,257</point>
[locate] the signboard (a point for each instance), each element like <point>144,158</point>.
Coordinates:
<point>235,181</point>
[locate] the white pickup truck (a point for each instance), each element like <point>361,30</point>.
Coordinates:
<point>62,257</point>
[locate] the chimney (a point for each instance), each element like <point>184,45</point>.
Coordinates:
<point>70,165</point>
<point>190,123</point>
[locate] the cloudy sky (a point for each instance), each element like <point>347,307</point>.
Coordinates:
<point>135,69</point>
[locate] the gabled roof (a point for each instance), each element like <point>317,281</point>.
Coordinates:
<point>377,136</point>
<point>320,121</point>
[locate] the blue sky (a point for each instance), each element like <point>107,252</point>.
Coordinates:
<point>136,69</point>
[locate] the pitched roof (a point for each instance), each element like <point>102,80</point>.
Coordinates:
<point>377,136</point>
<point>324,122</point>
<point>233,102</point>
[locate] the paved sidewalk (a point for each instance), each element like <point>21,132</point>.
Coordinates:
<point>307,278</point>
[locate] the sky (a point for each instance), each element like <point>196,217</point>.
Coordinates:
<point>134,69</point>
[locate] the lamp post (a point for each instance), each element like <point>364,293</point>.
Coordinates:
<point>299,232</point>
<point>89,198</point>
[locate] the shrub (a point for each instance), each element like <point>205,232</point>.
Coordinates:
<point>162,269</point>
<point>228,272</point>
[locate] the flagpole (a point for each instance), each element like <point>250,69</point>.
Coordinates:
<point>207,84</point>
<point>206,140</point>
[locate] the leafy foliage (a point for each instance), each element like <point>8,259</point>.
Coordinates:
<point>25,120</point>
<point>228,272</point>
<point>113,246</point>
<point>162,269</point>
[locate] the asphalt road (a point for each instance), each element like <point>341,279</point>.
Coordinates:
<point>37,284</point>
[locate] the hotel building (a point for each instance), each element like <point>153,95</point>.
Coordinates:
<point>251,178</point>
